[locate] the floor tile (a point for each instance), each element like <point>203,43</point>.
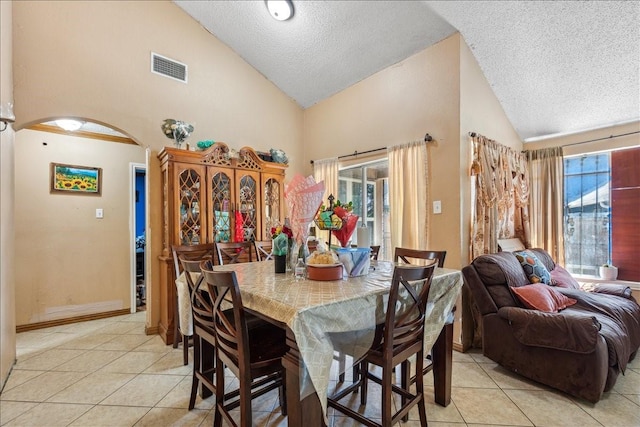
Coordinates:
<point>172,417</point>
<point>19,376</point>
<point>43,386</point>
<point>50,414</point>
<point>49,359</point>
<point>111,416</point>
<point>155,344</point>
<point>179,396</point>
<point>143,390</point>
<point>93,388</point>
<point>613,410</point>
<point>132,362</point>
<point>118,328</point>
<point>88,342</point>
<point>546,408</point>
<point>125,342</point>
<point>629,383</point>
<point>170,364</point>
<point>488,406</point>
<point>471,375</point>
<point>507,379</point>
<point>90,361</point>
<point>10,410</point>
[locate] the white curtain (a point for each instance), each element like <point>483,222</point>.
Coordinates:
<point>326,170</point>
<point>408,195</point>
<point>546,210</point>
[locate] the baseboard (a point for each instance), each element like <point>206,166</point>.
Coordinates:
<point>69,320</point>
<point>151,330</point>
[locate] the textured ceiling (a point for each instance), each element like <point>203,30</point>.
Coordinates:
<point>555,66</point>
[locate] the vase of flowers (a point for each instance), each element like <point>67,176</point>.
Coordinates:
<point>176,130</point>
<point>281,236</point>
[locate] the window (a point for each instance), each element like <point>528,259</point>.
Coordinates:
<point>587,212</point>
<point>374,178</point>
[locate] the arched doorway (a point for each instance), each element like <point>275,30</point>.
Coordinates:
<point>74,251</point>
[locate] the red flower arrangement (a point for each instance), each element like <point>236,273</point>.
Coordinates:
<point>281,229</point>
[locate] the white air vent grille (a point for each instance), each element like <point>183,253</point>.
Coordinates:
<point>168,67</point>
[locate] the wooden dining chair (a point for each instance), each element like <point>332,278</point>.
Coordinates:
<point>195,252</point>
<point>234,252</point>
<point>263,250</point>
<point>253,353</point>
<point>396,340</point>
<point>203,331</point>
<point>375,250</point>
<point>408,256</point>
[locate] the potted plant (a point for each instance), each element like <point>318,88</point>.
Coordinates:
<point>608,272</point>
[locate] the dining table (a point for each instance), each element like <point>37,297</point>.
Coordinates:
<point>323,319</point>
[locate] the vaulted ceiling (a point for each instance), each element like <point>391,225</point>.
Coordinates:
<point>555,66</point>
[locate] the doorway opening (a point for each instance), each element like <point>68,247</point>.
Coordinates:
<point>138,236</point>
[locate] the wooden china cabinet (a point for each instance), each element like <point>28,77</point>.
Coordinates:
<point>216,195</point>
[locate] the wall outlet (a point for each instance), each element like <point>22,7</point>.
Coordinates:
<point>437,207</point>
<point>99,213</point>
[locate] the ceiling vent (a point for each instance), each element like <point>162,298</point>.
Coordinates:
<point>168,67</point>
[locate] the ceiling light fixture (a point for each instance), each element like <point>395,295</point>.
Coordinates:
<point>69,125</point>
<point>280,9</point>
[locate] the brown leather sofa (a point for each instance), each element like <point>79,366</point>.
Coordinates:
<point>579,350</point>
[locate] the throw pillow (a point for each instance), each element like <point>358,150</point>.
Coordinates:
<point>533,268</point>
<point>541,297</point>
<point>563,279</point>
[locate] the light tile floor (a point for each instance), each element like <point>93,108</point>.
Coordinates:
<point>109,373</point>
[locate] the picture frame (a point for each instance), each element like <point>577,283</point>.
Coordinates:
<point>73,179</point>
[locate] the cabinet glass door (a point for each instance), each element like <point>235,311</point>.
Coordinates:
<point>272,191</point>
<point>247,216</point>
<point>189,207</point>
<point>221,197</point>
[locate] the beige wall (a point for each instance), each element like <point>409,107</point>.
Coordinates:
<point>92,60</point>
<point>7,286</point>
<point>440,90</point>
<point>480,112</point>
<point>70,262</point>
<point>397,105</point>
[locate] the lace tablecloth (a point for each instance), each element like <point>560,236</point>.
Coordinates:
<point>335,315</point>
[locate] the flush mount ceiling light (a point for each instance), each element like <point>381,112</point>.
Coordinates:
<point>69,125</point>
<point>280,9</point>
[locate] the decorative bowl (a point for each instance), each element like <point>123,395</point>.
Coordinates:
<point>324,271</point>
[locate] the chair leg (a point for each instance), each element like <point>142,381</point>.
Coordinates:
<point>405,380</point>
<point>387,381</point>
<point>283,393</point>
<point>342,366</point>
<point>176,330</point>
<point>217,414</point>
<point>185,350</point>
<point>196,365</point>
<point>246,417</point>
<point>364,369</point>
<point>422,410</point>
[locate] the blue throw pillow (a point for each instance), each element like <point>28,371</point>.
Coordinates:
<point>533,268</point>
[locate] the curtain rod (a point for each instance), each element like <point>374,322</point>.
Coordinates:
<point>427,138</point>
<point>603,138</point>
<point>473,134</point>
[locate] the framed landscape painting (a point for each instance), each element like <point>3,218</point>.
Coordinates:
<point>75,179</point>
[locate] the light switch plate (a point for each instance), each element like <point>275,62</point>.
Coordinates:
<point>99,213</point>
<point>437,207</point>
